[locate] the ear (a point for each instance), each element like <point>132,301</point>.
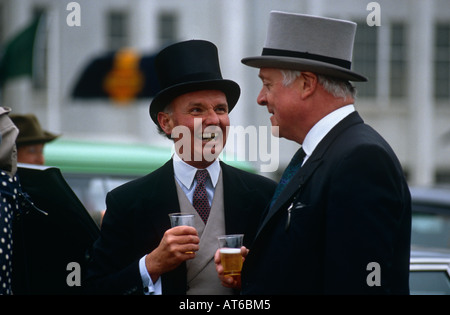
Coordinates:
<point>165,122</point>
<point>308,84</point>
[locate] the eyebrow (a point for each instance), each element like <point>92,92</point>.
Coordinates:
<point>263,78</point>
<point>195,103</point>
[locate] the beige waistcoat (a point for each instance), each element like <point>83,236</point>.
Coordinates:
<point>201,271</point>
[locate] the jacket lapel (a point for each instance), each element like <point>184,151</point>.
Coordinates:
<point>294,185</point>
<point>305,172</point>
<point>162,199</point>
<point>236,201</point>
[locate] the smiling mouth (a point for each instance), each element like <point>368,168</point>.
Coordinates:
<point>208,136</point>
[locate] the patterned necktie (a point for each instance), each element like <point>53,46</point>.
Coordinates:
<point>290,170</point>
<point>200,199</point>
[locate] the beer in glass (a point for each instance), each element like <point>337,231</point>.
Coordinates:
<point>230,255</point>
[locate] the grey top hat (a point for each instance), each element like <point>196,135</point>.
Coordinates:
<point>308,43</point>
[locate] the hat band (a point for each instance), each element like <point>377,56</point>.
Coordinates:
<point>305,55</point>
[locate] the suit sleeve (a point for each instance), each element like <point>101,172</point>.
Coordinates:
<point>110,270</point>
<point>363,221</point>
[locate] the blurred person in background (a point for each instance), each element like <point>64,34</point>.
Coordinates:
<point>31,140</point>
<point>9,201</point>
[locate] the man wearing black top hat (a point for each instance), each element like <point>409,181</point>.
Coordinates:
<point>340,219</point>
<point>138,252</point>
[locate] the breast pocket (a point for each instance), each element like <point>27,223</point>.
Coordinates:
<point>292,211</point>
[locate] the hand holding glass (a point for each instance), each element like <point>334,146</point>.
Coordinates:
<point>230,255</point>
<point>178,219</point>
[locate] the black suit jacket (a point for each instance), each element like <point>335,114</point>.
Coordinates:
<point>137,217</point>
<point>351,207</point>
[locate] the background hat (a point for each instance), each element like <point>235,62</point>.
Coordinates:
<point>308,43</point>
<point>30,131</point>
<point>187,67</point>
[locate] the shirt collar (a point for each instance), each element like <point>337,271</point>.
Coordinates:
<point>323,126</point>
<point>185,173</point>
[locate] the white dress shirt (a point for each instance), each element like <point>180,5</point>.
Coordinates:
<point>323,127</point>
<point>185,176</point>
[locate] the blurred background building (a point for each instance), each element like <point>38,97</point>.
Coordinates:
<point>407,60</point>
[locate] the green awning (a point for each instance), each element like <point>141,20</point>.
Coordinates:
<point>110,158</point>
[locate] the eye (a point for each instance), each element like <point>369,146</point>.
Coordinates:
<point>267,85</point>
<point>196,110</point>
<point>222,109</point>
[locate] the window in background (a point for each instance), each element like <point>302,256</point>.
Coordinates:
<point>117,30</point>
<point>442,61</point>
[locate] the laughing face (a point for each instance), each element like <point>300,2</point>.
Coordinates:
<point>282,102</point>
<point>197,121</point>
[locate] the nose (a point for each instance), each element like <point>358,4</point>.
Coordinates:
<point>212,118</point>
<point>261,99</point>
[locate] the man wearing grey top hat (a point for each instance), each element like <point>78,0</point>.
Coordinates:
<point>340,219</point>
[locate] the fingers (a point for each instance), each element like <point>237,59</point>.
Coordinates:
<point>185,237</point>
<point>182,239</point>
<point>177,245</point>
<point>184,251</point>
<point>217,258</point>
<point>244,252</point>
<point>182,230</point>
<point>228,281</point>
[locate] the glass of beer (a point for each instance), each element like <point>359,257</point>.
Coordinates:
<point>230,254</point>
<point>177,219</point>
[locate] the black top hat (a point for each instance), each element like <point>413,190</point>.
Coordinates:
<point>187,67</point>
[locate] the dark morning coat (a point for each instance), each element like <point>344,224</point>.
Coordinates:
<point>137,217</point>
<point>351,207</point>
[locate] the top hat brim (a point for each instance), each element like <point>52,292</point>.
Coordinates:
<point>302,64</point>
<point>230,88</point>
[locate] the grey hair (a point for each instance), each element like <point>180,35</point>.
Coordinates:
<point>337,88</point>
<point>167,110</point>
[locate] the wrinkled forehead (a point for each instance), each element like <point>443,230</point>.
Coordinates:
<point>269,73</point>
<point>202,97</point>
